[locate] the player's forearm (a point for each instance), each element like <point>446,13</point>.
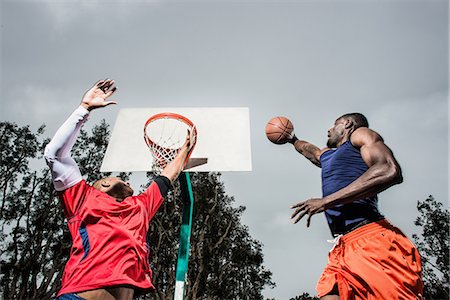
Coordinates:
<point>308,150</point>
<point>375,180</point>
<point>65,171</point>
<point>66,135</point>
<point>174,168</point>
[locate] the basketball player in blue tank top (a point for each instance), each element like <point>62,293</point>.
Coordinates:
<point>372,259</point>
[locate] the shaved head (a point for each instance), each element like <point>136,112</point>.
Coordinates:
<point>115,187</point>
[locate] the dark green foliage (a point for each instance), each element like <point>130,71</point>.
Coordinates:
<point>225,261</point>
<point>36,242</point>
<point>305,296</point>
<point>434,247</point>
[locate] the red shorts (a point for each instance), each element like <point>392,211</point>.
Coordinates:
<point>375,261</point>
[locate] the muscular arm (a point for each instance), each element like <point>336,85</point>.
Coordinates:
<point>383,172</point>
<point>308,150</point>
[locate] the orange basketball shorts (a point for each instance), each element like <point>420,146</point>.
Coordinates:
<point>375,261</point>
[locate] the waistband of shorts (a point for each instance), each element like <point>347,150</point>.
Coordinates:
<point>373,227</point>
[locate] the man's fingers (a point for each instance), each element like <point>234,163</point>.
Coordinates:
<point>108,85</point>
<point>99,83</point>
<point>188,137</point>
<point>104,85</point>
<point>297,205</point>
<point>297,211</point>
<point>111,92</point>
<point>110,102</point>
<point>308,221</point>
<point>299,217</point>
<point>192,135</point>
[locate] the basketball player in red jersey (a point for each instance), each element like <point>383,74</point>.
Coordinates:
<point>371,259</point>
<point>108,225</point>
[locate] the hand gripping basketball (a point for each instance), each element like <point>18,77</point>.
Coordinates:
<point>279,130</point>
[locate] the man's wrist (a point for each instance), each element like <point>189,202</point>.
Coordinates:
<point>83,110</point>
<point>86,106</point>
<point>293,140</point>
<point>327,202</point>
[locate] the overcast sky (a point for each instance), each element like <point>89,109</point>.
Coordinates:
<point>311,61</point>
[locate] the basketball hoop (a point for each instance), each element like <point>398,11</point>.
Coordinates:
<point>165,134</point>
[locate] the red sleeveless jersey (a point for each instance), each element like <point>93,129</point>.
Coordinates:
<point>109,244</point>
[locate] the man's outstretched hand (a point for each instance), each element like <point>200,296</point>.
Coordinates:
<point>97,95</point>
<point>309,208</point>
<point>191,139</point>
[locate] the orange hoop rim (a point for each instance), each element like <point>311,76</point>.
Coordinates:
<point>171,116</point>
<point>163,116</point>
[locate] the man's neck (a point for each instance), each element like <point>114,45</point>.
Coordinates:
<point>342,142</point>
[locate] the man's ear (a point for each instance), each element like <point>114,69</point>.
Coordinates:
<point>105,184</point>
<point>349,123</point>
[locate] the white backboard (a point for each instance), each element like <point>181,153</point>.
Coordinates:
<point>223,138</point>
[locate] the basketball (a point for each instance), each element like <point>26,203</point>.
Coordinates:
<point>279,130</point>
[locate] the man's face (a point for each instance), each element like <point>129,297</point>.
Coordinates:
<point>336,133</point>
<point>115,187</point>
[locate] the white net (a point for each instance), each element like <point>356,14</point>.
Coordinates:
<point>165,136</point>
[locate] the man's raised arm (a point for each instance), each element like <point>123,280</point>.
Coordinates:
<point>65,171</point>
<point>308,150</point>
<point>173,169</point>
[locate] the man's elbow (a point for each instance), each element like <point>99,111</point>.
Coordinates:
<point>395,174</point>
<point>49,153</point>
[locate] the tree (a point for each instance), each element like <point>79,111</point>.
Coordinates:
<point>434,247</point>
<point>31,229</point>
<point>36,238</point>
<point>305,296</point>
<point>226,262</point>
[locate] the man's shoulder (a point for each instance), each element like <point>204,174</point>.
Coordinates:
<point>364,136</point>
<point>79,187</point>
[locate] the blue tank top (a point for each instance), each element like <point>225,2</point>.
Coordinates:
<point>340,167</point>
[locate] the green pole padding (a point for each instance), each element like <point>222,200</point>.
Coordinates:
<point>186,225</point>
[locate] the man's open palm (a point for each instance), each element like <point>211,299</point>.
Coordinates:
<point>97,96</point>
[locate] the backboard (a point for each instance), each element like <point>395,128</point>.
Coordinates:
<point>223,139</point>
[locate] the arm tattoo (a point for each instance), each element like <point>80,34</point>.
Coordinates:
<point>309,151</point>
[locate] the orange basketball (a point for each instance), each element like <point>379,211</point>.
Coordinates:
<point>279,130</point>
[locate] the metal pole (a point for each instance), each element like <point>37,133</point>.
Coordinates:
<point>185,234</point>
